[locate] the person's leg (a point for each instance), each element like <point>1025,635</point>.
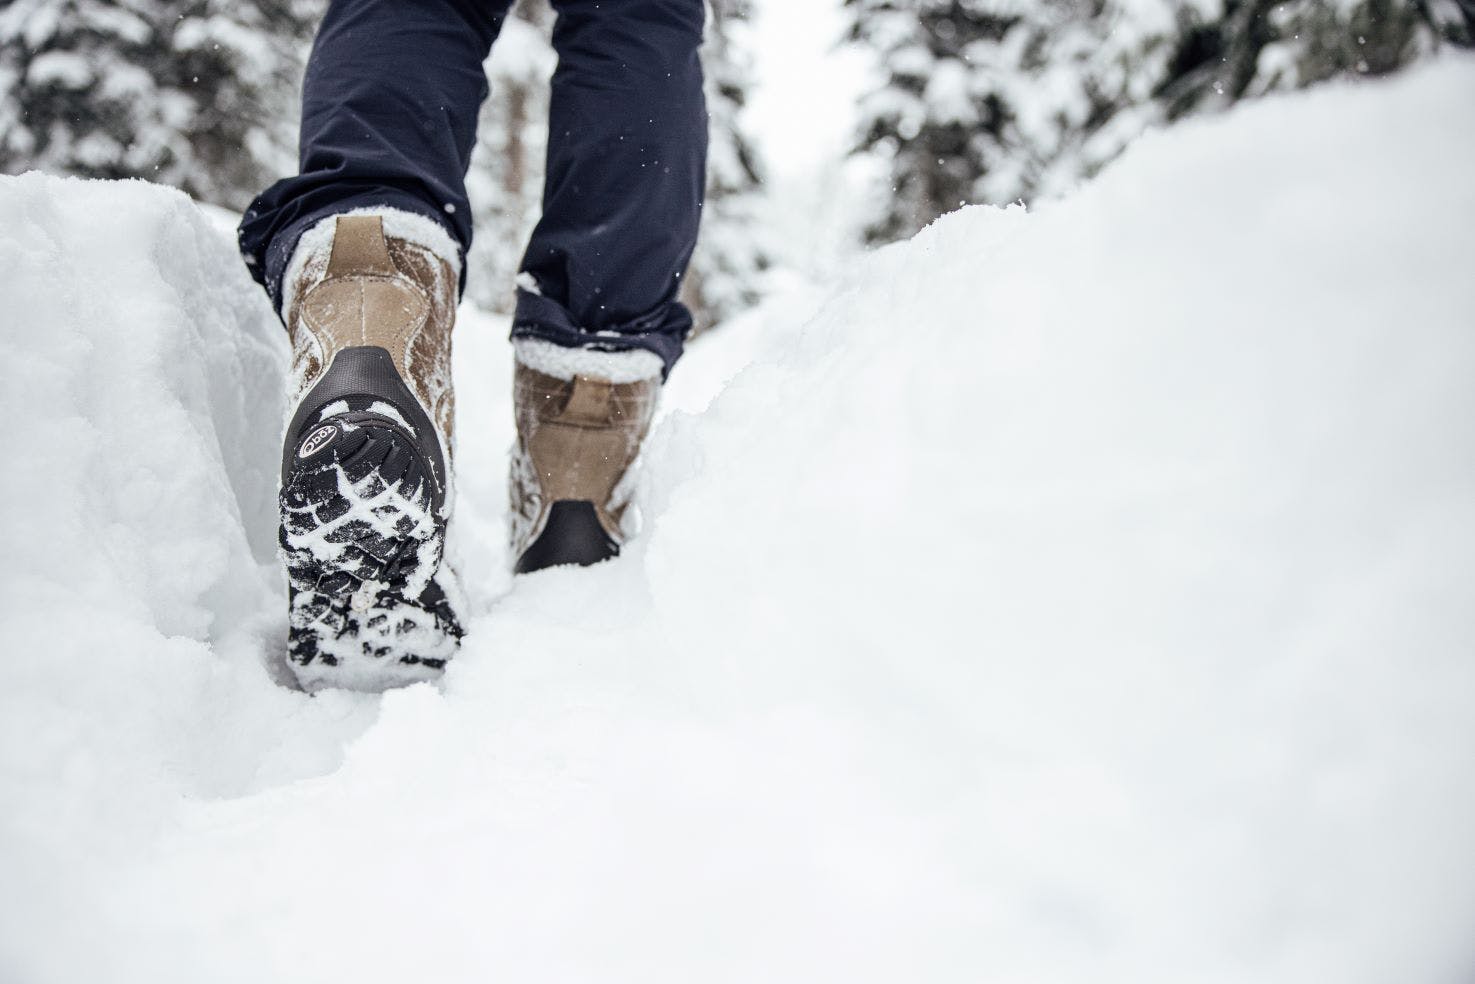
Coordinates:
<point>627,143</point>
<point>362,253</point>
<point>598,324</point>
<point>389,108</point>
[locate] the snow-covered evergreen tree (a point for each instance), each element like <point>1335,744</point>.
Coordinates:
<point>939,130</point>
<point>200,94</point>
<point>1002,100</point>
<point>1246,48</point>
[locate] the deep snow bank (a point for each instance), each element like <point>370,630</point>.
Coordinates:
<point>139,592</point>
<point>1080,596</point>
<point>137,490</point>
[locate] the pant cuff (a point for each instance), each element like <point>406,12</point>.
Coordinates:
<point>560,362</point>
<point>406,217</point>
<point>662,332</point>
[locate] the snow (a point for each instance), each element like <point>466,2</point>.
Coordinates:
<point>947,93</point>
<point>65,69</point>
<point>1083,595</point>
<point>801,102</point>
<point>802,112</point>
<point>522,52</point>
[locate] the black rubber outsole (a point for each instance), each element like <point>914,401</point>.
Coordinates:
<point>362,541</point>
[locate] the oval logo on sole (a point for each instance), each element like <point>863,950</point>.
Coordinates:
<point>317,440</point>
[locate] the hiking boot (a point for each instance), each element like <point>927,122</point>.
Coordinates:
<point>581,418</point>
<point>369,300</point>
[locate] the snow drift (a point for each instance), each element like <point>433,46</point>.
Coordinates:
<point>1073,596</point>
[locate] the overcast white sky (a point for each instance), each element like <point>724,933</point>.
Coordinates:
<point>803,110</point>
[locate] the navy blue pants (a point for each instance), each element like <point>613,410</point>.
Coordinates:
<point>389,107</point>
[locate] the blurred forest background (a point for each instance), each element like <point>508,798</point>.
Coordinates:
<point>971,100</point>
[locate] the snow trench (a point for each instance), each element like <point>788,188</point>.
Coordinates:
<point>1081,595</point>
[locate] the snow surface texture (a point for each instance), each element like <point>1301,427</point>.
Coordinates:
<point>1073,597</point>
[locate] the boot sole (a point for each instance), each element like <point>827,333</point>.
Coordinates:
<point>362,539</point>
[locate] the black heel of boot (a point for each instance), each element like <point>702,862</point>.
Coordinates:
<point>573,535</point>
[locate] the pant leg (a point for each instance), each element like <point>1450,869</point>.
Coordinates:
<point>627,147</point>
<point>389,108</point>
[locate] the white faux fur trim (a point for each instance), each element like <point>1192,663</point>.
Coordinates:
<point>398,224</point>
<point>560,362</point>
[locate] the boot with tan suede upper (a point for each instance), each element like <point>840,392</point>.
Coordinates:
<point>582,417</point>
<point>369,301</point>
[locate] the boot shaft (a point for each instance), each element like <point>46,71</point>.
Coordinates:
<point>577,442</point>
<point>360,287</point>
